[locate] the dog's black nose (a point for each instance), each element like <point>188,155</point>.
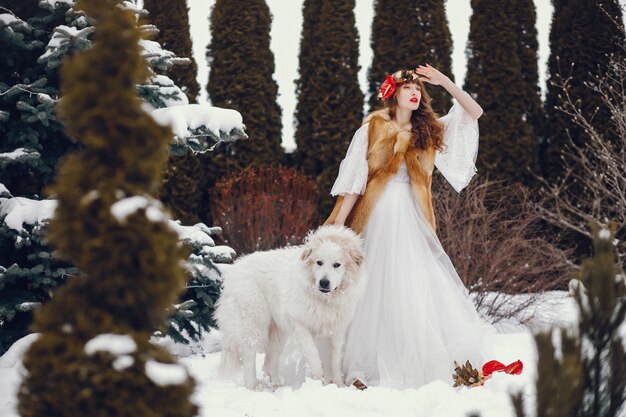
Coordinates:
<point>324,283</point>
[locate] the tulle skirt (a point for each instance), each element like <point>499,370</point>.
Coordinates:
<point>415,318</point>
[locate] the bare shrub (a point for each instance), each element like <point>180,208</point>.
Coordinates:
<point>496,245</point>
<point>264,208</point>
<point>592,188</point>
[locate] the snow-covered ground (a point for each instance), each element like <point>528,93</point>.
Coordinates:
<point>218,398</point>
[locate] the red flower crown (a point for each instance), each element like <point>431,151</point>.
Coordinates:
<point>388,87</point>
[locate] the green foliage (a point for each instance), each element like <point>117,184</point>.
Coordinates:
<point>502,78</point>
<point>587,377</point>
<point>123,155</point>
<point>195,313</point>
<point>242,66</point>
<point>171,18</point>
<point>585,35</point>
<point>24,9</point>
<point>527,46</point>
<point>406,34</point>
<point>183,175</point>
<point>28,94</point>
<point>180,191</point>
<point>28,275</point>
<point>35,142</point>
<point>330,101</point>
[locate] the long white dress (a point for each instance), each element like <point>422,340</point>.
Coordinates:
<point>415,318</point>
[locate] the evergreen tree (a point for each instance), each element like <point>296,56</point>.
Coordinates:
<point>34,51</point>
<point>499,77</point>
<point>181,187</point>
<point>587,378</point>
<point>171,18</point>
<point>24,9</point>
<point>28,271</point>
<point>95,332</point>
<point>33,138</point>
<point>405,34</point>
<point>242,66</point>
<point>330,101</point>
<point>584,35</point>
<point>527,45</point>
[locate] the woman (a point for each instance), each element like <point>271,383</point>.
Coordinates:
<point>415,318</point>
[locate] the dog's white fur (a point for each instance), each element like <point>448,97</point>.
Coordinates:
<point>268,296</point>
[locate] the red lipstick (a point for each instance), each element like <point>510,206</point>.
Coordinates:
<point>414,100</point>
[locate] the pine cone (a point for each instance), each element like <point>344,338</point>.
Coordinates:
<point>467,375</point>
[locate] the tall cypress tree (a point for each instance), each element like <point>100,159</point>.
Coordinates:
<point>330,100</point>
<point>582,40</point>
<point>405,34</point>
<point>181,188</point>
<point>171,18</point>
<point>242,66</point>
<point>496,77</point>
<point>525,19</point>
<point>94,356</point>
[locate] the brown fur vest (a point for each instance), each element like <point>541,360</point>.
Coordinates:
<point>388,146</point>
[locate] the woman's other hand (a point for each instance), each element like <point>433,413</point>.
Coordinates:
<point>430,74</point>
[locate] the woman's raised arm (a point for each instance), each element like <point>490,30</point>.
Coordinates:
<point>433,76</point>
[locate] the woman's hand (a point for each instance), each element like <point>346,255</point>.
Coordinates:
<point>431,75</point>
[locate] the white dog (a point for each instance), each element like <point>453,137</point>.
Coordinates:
<point>305,292</point>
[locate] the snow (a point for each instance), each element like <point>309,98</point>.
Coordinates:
<point>219,252</point>
<point>60,35</point>
<point>184,118</point>
<point>166,373</point>
<point>115,344</point>
<point>221,398</point>
<point>20,210</point>
<point>4,189</point>
<point>13,356</point>
<point>57,2</point>
<point>127,206</point>
<point>28,306</point>
<point>167,88</point>
<point>17,153</point>
<point>198,233</point>
<point>152,48</point>
<point>123,362</point>
<point>8,18</point>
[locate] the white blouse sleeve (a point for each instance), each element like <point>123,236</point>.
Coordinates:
<point>457,160</point>
<point>352,177</point>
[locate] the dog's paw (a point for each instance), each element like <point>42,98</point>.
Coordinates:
<point>262,386</point>
<point>255,385</point>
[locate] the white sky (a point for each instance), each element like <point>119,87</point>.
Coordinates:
<point>285,44</point>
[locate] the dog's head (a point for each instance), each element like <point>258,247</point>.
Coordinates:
<point>334,255</point>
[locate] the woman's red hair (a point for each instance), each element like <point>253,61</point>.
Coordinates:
<point>426,129</point>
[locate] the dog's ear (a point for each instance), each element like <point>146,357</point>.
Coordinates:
<point>357,255</point>
<point>306,254</point>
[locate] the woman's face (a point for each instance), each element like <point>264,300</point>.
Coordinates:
<point>409,96</point>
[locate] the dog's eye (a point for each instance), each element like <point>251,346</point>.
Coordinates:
<point>336,265</point>
<point>320,263</point>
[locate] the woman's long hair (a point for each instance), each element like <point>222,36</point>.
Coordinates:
<point>426,129</point>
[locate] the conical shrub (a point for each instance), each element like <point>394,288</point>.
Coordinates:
<point>93,357</point>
